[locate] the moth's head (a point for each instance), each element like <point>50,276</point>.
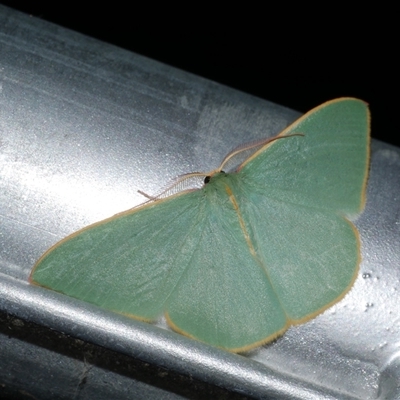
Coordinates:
<point>208,178</point>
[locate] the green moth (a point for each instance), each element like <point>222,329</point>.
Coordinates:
<point>237,262</point>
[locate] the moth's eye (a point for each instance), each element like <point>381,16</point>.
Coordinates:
<point>207,179</point>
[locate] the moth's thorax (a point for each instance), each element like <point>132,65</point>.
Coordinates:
<point>219,188</point>
<point>217,181</point>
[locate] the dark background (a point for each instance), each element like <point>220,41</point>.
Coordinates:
<point>295,57</point>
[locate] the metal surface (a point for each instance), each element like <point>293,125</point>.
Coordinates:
<point>83,126</point>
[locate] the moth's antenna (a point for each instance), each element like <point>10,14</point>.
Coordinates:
<point>148,196</point>
<point>252,145</point>
<point>180,182</point>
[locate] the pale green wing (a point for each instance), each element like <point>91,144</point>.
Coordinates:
<point>294,197</point>
<point>128,263</point>
<point>326,168</point>
<point>186,256</point>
